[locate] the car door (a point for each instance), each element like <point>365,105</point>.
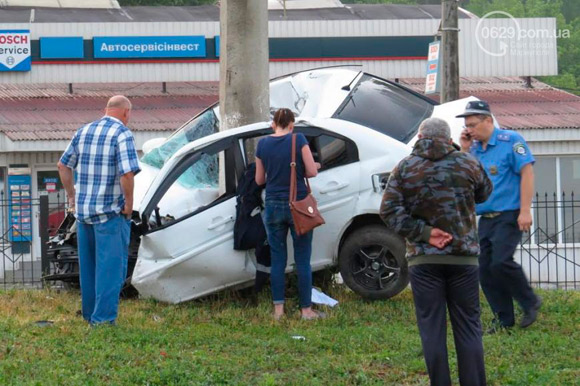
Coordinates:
<point>336,187</point>
<point>187,248</point>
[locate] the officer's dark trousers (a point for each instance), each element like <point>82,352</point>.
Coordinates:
<point>436,288</point>
<point>502,279</point>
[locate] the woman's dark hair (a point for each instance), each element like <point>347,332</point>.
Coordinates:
<point>283,117</point>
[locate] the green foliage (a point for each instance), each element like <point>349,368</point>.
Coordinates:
<point>223,340</point>
<point>481,7</point>
<point>567,14</point>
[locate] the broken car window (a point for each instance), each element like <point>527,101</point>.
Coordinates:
<point>196,187</point>
<point>203,125</point>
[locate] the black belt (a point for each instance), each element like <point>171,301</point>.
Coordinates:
<point>491,214</point>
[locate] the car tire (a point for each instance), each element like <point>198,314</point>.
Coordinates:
<point>372,262</point>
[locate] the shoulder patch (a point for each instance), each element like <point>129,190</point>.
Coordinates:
<point>520,149</point>
<point>503,137</point>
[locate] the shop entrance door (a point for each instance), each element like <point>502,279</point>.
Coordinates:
<point>46,182</point>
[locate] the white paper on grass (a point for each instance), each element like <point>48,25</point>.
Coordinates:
<point>320,297</point>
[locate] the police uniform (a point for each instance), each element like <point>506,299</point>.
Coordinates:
<point>502,279</point>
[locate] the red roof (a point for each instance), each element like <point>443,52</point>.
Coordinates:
<point>517,106</point>
<point>49,112</point>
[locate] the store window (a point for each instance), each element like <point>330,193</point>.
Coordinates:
<point>546,195</point>
<point>570,181</point>
<point>48,183</point>
<point>557,201</point>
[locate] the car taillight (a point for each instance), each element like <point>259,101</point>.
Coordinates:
<point>380,181</point>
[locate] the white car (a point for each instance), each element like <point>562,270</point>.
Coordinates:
<point>187,250</point>
<point>361,127</point>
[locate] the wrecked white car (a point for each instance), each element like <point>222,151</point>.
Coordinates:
<point>358,126</point>
<point>187,251</point>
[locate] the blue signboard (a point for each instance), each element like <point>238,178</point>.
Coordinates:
<point>149,47</point>
<point>62,48</point>
<point>20,219</point>
<point>217,46</point>
<point>15,50</point>
<point>432,81</point>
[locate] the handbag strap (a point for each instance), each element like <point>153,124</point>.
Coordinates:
<point>293,176</point>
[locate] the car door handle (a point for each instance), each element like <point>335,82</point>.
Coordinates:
<point>334,188</point>
<point>218,224</point>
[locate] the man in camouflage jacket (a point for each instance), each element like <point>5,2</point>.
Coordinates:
<point>430,201</point>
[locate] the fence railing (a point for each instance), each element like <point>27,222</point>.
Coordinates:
<point>550,252</point>
<point>23,240</point>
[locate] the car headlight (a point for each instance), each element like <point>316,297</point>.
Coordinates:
<point>380,181</point>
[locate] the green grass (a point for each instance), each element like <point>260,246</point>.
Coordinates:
<point>225,340</point>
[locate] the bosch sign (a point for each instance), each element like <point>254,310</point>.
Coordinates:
<point>14,50</point>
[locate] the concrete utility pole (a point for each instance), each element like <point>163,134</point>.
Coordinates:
<point>244,63</point>
<point>449,51</point>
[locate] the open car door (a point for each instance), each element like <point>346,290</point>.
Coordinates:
<point>187,250</point>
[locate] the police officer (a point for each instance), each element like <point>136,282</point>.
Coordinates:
<point>508,162</point>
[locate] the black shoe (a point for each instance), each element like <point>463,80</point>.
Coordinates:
<point>531,315</point>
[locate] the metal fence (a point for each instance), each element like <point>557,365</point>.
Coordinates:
<point>549,252</point>
<point>24,233</point>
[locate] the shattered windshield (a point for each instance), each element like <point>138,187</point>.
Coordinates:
<point>202,174</point>
<point>204,125</point>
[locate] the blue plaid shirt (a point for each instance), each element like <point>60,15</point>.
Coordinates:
<point>100,153</point>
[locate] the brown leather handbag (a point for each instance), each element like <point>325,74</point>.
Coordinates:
<point>304,212</point>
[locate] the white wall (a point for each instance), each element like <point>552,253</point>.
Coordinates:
<point>551,264</point>
<point>474,60</point>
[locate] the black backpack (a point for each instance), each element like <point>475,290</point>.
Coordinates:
<point>249,231</point>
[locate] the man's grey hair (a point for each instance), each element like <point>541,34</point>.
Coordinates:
<point>435,128</point>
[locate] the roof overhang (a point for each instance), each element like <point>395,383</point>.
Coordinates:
<point>9,146</point>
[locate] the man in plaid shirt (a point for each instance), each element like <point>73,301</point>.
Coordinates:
<point>105,160</point>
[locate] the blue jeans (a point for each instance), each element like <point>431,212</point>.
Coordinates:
<point>278,220</point>
<point>103,257</point>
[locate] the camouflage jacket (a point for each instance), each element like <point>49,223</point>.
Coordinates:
<point>436,186</point>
